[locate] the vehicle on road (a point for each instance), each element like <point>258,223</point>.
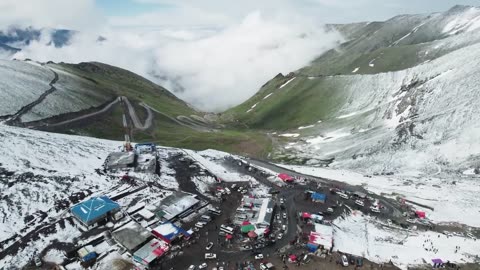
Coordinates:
<point>329,210</point>
<point>233,186</point>
<point>37,261</point>
<point>277,216</point>
<point>200,224</point>
<point>209,246</point>
<point>202,266</point>
<point>263,266</point>
<point>374,209</point>
<point>215,211</point>
<point>344,260</point>
<point>359,202</point>
<point>389,222</point>
<point>280,236</point>
<point>284,227</point>
<point>343,195</point>
<point>285,215</point>
<point>191,267</point>
<point>210,256</point>
<point>259,257</point>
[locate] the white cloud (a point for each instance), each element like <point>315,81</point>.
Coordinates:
<point>71,14</point>
<point>218,68</point>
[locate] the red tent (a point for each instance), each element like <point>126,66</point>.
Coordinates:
<point>306,215</point>
<point>420,214</point>
<point>252,234</point>
<point>229,236</point>
<point>246,222</point>
<point>292,257</point>
<point>285,177</point>
<point>267,231</point>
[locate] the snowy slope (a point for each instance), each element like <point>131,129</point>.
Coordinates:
<point>363,236</point>
<point>47,168</point>
<point>20,84</point>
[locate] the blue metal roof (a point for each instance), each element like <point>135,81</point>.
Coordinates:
<point>90,210</point>
<point>319,196</point>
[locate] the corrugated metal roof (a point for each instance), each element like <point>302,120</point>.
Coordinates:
<point>152,250</point>
<point>91,210</point>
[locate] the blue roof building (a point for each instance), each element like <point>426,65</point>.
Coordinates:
<point>95,209</point>
<point>318,197</point>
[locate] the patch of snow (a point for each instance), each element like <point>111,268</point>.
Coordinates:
<point>283,85</point>
<point>355,70</point>
<point>55,256</point>
<point>212,161</point>
<point>292,135</point>
<point>267,96</point>
<point>253,107</point>
<point>305,127</point>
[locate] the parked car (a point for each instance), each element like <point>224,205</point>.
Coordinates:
<point>191,267</point>
<point>285,215</point>
<point>209,246</point>
<point>202,266</point>
<point>280,236</point>
<point>411,220</point>
<point>284,227</point>
<point>343,195</point>
<point>210,256</point>
<point>259,257</point>
<point>359,202</point>
<point>344,260</point>
<point>374,209</point>
<point>277,216</point>
<point>329,210</point>
<point>263,266</point>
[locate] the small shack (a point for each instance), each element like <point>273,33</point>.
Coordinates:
<point>150,252</point>
<point>120,160</point>
<point>95,210</point>
<point>169,232</point>
<point>131,236</point>
<point>319,197</point>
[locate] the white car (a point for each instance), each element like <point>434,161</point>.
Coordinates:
<point>344,260</point>
<point>209,246</point>
<point>259,257</point>
<point>411,220</point>
<point>374,209</point>
<point>263,266</point>
<point>359,202</point>
<point>202,266</point>
<point>329,210</point>
<point>191,267</point>
<point>285,215</point>
<point>343,195</point>
<point>389,221</point>
<point>210,256</point>
<point>280,236</point>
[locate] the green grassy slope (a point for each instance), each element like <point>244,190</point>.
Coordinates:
<point>113,82</point>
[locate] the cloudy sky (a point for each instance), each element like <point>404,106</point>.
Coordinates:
<point>212,53</point>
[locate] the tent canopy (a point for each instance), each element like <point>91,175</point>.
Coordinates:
<point>229,236</point>
<point>252,234</point>
<point>246,222</point>
<point>420,214</point>
<point>293,257</point>
<point>285,177</point>
<point>247,228</point>
<point>318,196</point>
<point>306,215</point>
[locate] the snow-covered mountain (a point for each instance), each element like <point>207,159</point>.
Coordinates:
<point>399,96</point>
